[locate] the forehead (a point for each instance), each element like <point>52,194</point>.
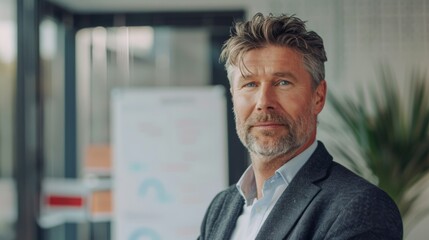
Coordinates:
<point>271,55</point>
<point>269,60</point>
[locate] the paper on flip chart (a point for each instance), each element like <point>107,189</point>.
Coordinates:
<point>170,159</point>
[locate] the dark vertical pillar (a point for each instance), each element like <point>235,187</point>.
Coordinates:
<point>70,109</point>
<point>28,121</point>
<point>70,112</point>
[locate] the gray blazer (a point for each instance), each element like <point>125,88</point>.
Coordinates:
<point>324,201</point>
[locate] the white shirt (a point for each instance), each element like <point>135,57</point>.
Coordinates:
<point>255,211</point>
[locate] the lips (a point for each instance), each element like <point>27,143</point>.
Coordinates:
<point>268,124</point>
<point>267,121</point>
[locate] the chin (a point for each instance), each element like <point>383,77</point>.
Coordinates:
<point>268,151</point>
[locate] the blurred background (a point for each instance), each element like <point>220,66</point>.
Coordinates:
<point>60,60</point>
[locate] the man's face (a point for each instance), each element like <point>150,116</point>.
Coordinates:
<point>275,105</point>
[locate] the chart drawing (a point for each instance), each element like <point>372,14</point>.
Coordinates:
<point>145,233</point>
<point>156,186</point>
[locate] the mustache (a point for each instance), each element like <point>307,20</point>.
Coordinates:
<point>268,117</point>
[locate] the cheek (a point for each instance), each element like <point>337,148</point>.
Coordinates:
<point>242,107</point>
<point>294,105</point>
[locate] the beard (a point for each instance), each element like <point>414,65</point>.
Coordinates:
<point>271,143</point>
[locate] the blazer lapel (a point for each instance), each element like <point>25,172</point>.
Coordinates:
<point>297,196</point>
<point>231,210</point>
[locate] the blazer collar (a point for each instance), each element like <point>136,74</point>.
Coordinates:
<point>300,192</point>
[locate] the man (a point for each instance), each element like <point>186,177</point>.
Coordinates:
<point>293,189</point>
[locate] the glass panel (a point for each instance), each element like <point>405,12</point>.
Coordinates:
<point>7,97</point>
<point>133,57</point>
<point>52,74</point>
<point>109,58</point>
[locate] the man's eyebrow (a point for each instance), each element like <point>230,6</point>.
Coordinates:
<point>284,74</point>
<point>276,74</point>
<point>245,76</point>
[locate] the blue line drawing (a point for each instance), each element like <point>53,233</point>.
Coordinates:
<point>145,232</point>
<point>137,167</point>
<point>157,186</point>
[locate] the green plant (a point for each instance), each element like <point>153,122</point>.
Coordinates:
<point>390,129</point>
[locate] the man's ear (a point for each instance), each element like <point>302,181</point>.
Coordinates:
<point>320,96</point>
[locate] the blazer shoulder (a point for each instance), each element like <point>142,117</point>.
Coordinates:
<point>225,204</point>
<point>343,182</point>
<point>219,200</point>
<point>363,207</point>
<point>343,177</point>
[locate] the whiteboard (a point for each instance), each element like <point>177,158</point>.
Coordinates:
<point>169,160</point>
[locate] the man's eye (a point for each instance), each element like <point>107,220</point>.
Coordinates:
<point>251,84</point>
<point>283,83</point>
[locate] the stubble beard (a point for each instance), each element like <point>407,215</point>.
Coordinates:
<point>266,144</point>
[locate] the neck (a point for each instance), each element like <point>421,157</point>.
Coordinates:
<point>265,167</point>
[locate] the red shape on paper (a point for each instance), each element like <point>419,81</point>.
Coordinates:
<point>64,201</point>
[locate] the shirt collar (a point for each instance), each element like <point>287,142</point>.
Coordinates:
<point>291,168</point>
<point>247,185</point>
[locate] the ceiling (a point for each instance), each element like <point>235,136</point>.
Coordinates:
<point>97,6</point>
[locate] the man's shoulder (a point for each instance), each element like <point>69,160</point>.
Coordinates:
<point>345,187</point>
<point>343,179</point>
<point>336,175</point>
<point>225,205</point>
<point>327,173</point>
<point>355,201</point>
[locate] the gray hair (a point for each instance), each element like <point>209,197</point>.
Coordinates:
<point>283,31</point>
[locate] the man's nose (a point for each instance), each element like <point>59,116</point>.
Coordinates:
<point>266,98</point>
